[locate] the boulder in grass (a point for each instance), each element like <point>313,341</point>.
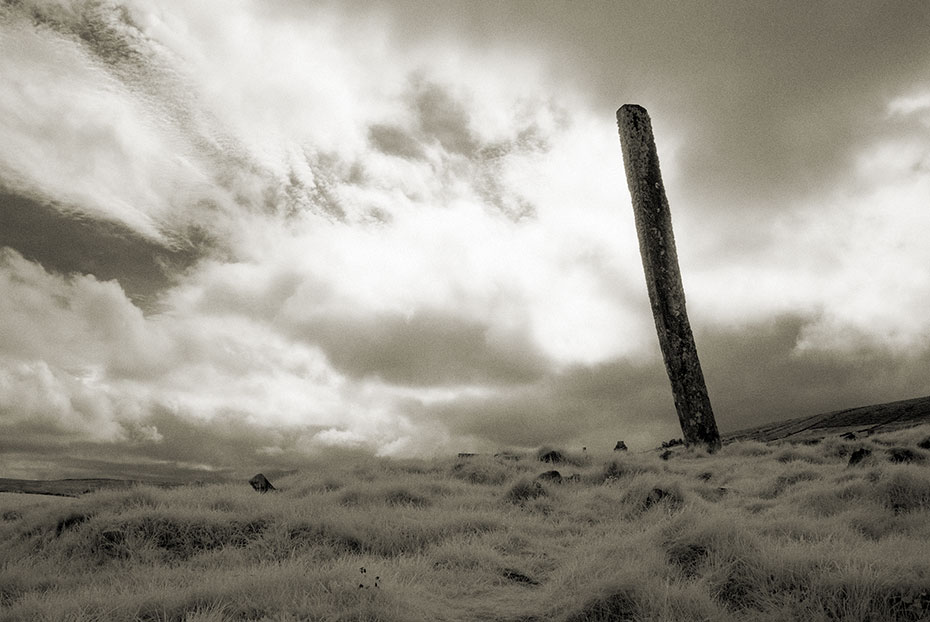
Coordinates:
<point>859,455</point>
<point>620,446</point>
<point>261,483</point>
<point>849,436</point>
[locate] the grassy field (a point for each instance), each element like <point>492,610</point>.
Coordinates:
<point>755,532</point>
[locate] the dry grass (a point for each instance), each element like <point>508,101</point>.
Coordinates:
<point>756,532</point>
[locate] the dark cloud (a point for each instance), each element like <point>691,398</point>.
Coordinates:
<point>758,374</point>
<point>444,118</point>
<point>754,375</point>
<point>229,440</point>
<point>396,141</point>
<point>186,449</point>
<point>428,348</point>
<point>68,244</point>
<point>581,406</point>
<point>772,99</point>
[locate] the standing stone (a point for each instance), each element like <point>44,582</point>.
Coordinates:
<point>663,278</point>
<point>620,446</point>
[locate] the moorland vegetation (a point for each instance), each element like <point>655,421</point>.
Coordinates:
<point>753,532</point>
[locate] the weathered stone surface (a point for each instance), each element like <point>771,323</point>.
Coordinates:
<point>859,455</point>
<point>620,446</point>
<point>261,483</point>
<point>663,277</point>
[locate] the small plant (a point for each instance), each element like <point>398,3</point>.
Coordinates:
<point>365,577</point>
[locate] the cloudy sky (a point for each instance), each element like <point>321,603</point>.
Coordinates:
<point>236,233</point>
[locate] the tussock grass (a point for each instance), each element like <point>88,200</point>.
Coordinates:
<point>754,532</point>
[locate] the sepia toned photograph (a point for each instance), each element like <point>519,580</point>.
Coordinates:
<point>464,311</point>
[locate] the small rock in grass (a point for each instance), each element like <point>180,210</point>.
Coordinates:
<point>620,446</point>
<point>261,483</point>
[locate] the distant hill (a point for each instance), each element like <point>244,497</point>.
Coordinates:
<point>862,419</point>
<point>68,487</point>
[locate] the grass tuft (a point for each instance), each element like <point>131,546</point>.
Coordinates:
<point>526,490</point>
<point>905,490</point>
<point>617,606</point>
